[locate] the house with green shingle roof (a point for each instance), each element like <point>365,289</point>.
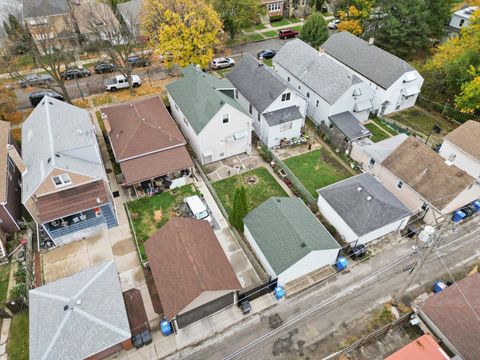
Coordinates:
<point>288,239</point>
<point>209,116</point>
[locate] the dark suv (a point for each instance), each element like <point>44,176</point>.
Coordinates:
<point>36,96</point>
<point>70,74</point>
<point>103,68</point>
<point>287,33</point>
<point>137,61</point>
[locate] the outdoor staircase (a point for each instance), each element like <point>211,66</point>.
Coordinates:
<point>109,216</point>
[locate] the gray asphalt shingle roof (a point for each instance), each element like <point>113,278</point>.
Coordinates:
<point>322,74</point>
<point>349,125</point>
<point>37,8</point>
<point>286,231</point>
<point>257,82</point>
<point>368,60</point>
<point>130,10</point>
<point>95,319</point>
<point>199,96</point>
<point>58,135</point>
<point>281,116</point>
<point>381,150</point>
<point>364,215</point>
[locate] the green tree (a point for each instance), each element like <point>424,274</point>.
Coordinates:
<point>237,15</point>
<point>189,30</point>
<point>314,31</point>
<point>18,35</point>
<point>469,99</point>
<point>239,208</point>
<point>439,13</point>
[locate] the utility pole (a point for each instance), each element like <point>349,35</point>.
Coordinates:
<point>437,237</point>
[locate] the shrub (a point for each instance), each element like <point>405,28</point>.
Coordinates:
<point>276,18</point>
<point>265,153</point>
<point>19,291</point>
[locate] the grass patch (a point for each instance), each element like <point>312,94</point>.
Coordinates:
<point>254,27</point>
<point>152,212</point>
<point>268,62</point>
<point>421,121</point>
<point>116,166</point>
<point>244,39</point>
<point>297,28</point>
<point>4,278</point>
<point>384,126</point>
<point>270,33</point>
<point>282,22</point>
<point>264,189</point>
<point>381,318</point>
<point>294,20</point>
<point>17,346</point>
<point>377,133</point>
<point>317,169</point>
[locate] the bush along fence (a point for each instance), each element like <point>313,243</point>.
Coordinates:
<point>287,176</point>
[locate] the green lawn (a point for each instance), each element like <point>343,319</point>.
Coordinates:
<point>282,22</point>
<point>294,20</point>
<point>421,121</point>
<point>377,133</point>
<point>271,33</point>
<point>145,221</point>
<point>4,277</point>
<point>317,169</point>
<point>264,189</point>
<point>255,27</point>
<point>385,126</point>
<point>297,28</point>
<point>243,39</point>
<point>17,346</point>
<point>268,62</point>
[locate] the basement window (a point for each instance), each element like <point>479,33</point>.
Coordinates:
<point>61,180</point>
<point>400,184</point>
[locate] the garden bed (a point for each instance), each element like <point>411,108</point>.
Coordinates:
<point>317,169</point>
<point>260,185</point>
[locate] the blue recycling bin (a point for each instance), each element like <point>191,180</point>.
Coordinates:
<point>342,263</point>
<point>439,286</point>
<point>458,216</point>
<point>476,205</point>
<point>166,328</point>
<point>279,292</point>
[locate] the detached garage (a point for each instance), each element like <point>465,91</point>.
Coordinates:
<point>288,239</point>
<point>362,209</point>
<point>192,274</point>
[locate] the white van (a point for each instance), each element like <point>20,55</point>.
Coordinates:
<point>198,208</point>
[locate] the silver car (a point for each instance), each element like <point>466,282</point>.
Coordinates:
<point>221,63</point>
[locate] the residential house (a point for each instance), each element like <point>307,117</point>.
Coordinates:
<point>104,20</point>
<point>213,122</point>
<point>131,14</point>
<point>288,239</point>
<point>460,148</point>
<point>10,189</point>
<point>147,144</point>
<point>329,88</point>
<point>423,348</point>
<point>64,186</point>
<point>461,18</point>
<point>277,110</point>
<point>345,130</point>
<point>418,176</point>
<point>362,209</point>
<point>452,316</point>
<point>395,82</point>
<point>81,316</point>
<point>274,7</point>
<point>192,274</point>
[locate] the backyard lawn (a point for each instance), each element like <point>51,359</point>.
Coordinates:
<point>17,346</point>
<point>4,277</point>
<point>265,187</point>
<point>317,169</point>
<point>377,133</point>
<point>152,212</point>
<point>421,121</point>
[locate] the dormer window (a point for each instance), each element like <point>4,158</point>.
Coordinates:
<point>61,180</point>
<point>409,77</point>
<point>286,97</point>
<point>225,119</point>
<point>357,92</point>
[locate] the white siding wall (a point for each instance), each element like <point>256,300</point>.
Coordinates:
<point>263,260</point>
<point>462,160</point>
<point>347,101</point>
<point>216,136</point>
<point>456,20</point>
<point>273,134</point>
<point>384,230</point>
<point>313,261</point>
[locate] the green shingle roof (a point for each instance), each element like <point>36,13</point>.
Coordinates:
<point>199,96</point>
<point>286,231</point>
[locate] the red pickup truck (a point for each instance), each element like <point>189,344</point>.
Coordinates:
<point>287,33</point>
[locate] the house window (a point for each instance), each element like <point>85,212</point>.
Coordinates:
<point>397,107</point>
<point>400,184</point>
<point>317,103</point>
<point>61,180</point>
<point>222,154</point>
<point>186,122</point>
<point>258,116</point>
<point>286,96</point>
<point>250,109</point>
<point>225,119</point>
<point>286,126</point>
<point>461,23</point>
<point>372,162</point>
<point>273,7</point>
<point>299,87</point>
<point>11,167</point>
<point>424,207</point>
<point>288,78</point>
<point>308,94</point>
<point>236,94</point>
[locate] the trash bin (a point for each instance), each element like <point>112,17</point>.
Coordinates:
<point>279,292</point>
<point>166,328</point>
<point>342,263</point>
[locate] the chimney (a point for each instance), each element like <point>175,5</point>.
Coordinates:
<point>321,51</point>
<point>15,156</point>
<point>371,41</point>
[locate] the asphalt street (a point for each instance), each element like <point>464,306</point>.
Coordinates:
<point>310,317</point>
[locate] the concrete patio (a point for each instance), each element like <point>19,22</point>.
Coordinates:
<point>233,166</point>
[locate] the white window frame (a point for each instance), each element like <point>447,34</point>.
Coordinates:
<point>286,126</point>
<point>286,96</point>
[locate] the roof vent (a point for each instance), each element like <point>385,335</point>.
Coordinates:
<point>303,245</point>
<point>78,302</point>
<point>49,159</point>
<point>369,198</point>
<point>57,155</point>
<point>359,188</point>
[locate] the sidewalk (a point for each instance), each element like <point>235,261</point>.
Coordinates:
<point>269,27</point>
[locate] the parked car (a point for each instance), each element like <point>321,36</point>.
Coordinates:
<point>221,63</point>
<point>287,33</point>
<point>358,251</point>
<point>103,68</point>
<point>74,73</point>
<point>36,96</point>
<point>197,208</point>
<point>120,82</point>
<point>333,24</point>
<point>35,80</point>
<point>137,61</point>
<point>266,54</point>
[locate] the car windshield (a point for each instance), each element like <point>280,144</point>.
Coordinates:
<point>202,215</point>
